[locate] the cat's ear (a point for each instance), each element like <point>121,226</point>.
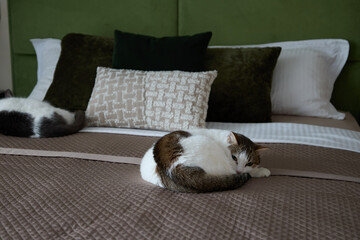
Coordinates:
<point>8,93</point>
<point>231,139</point>
<point>261,148</point>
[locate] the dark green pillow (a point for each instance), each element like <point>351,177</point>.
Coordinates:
<point>241,91</point>
<point>141,52</point>
<point>75,72</point>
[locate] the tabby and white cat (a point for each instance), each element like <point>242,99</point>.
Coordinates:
<point>25,117</point>
<point>202,160</point>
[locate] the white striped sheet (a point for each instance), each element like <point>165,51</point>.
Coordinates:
<point>128,131</point>
<point>295,133</point>
<point>269,133</point>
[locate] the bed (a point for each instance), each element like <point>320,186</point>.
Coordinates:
<point>88,185</point>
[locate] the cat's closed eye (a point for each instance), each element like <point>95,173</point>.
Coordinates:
<point>234,158</point>
<point>249,164</point>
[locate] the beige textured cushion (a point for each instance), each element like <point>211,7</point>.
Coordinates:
<point>117,99</point>
<point>163,100</point>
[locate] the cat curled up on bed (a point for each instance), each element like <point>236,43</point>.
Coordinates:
<point>23,117</point>
<point>202,160</point>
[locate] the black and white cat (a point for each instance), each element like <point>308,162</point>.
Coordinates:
<point>25,117</point>
<point>202,160</point>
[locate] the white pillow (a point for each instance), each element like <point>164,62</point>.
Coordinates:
<point>304,76</point>
<point>47,53</point>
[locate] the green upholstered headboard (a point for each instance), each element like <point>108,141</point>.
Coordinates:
<point>233,22</point>
<point>54,19</point>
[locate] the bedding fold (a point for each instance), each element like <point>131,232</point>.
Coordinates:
<point>123,148</point>
<point>137,161</point>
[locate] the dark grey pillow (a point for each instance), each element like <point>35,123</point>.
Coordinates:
<point>241,91</point>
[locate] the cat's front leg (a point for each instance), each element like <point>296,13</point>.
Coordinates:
<point>260,172</point>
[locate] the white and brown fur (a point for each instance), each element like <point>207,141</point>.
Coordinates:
<point>202,160</point>
<point>23,117</point>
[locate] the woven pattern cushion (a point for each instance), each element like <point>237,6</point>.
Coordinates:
<point>117,99</point>
<point>162,100</point>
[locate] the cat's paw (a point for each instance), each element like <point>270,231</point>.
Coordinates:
<point>260,172</point>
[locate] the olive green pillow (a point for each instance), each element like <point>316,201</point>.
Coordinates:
<point>142,52</point>
<point>241,91</point>
<point>75,72</point>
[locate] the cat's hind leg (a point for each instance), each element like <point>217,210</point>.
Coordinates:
<point>195,179</point>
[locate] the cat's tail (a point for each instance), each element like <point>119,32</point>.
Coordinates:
<point>195,179</point>
<point>57,127</point>
<point>79,122</point>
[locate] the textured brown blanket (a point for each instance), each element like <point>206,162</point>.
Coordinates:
<point>72,198</point>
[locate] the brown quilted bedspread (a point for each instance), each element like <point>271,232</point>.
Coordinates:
<point>68,198</point>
